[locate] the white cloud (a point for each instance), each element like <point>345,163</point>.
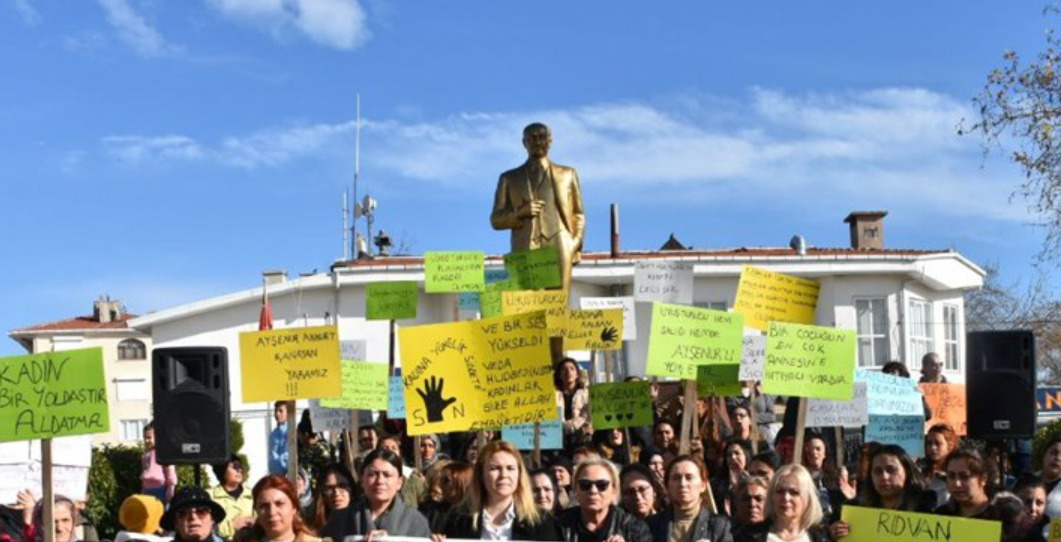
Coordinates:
<point>333,23</point>
<point>892,148</point>
<point>26,11</point>
<point>134,29</point>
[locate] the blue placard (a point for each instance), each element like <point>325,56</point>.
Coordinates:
<point>888,394</point>
<point>906,431</point>
<point>469,301</point>
<point>522,436</point>
<point>495,275</point>
<point>396,399</point>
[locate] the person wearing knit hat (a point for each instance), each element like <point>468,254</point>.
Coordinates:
<point>140,516</point>
<point>192,516</point>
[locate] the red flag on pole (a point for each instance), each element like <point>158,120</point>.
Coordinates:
<point>265,321</point>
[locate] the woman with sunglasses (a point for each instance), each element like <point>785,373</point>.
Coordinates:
<point>640,494</point>
<point>499,504</point>
<point>192,516</point>
<point>233,495</point>
<point>381,512</point>
<point>276,502</point>
<point>687,519</point>
<point>335,486</point>
<point>597,518</point>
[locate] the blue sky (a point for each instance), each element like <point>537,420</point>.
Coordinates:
<point>163,152</point>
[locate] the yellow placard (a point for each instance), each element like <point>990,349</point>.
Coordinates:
<point>880,525</point>
<point>482,374</point>
<point>1055,531</point>
<point>553,302</point>
<point>594,329</point>
<point>288,364</point>
<point>765,296</point>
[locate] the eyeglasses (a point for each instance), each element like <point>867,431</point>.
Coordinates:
<point>637,491</point>
<point>332,489</point>
<point>198,511</point>
<point>586,484</point>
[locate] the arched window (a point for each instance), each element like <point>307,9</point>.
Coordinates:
<point>132,349</point>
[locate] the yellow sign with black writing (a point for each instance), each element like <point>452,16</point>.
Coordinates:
<point>882,525</point>
<point>288,364</point>
<point>482,374</point>
<point>553,302</point>
<point>765,296</point>
<point>594,329</point>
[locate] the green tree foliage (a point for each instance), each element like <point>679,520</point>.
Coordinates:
<point>1043,437</point>
<point>1021,105</point>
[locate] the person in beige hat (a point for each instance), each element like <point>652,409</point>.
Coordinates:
<point>140,516</point>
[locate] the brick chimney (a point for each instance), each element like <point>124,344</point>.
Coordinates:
<point>105,311</point>
<point>867,229</point>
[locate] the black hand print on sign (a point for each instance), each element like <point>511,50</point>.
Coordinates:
<point>609,334</point>
<point>433,401</point>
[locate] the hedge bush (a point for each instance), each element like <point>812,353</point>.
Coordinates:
<point>1049,433</point>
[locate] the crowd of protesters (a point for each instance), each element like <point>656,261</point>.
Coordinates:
<point>735,482</point>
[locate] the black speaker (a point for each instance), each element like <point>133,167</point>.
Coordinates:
<point>1000,384</point>
<point>190,390</point>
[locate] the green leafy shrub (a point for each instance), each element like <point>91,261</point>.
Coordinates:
<point>1045,435</point>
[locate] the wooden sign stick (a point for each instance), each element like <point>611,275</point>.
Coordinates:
<point>801,427</point>
<point>688,411</point>
<point>536,456</point>
<point>350,444</point>
<point>47,486</point>
<point>292,443</point>
<point>417,455</point>
<point>839,446</point>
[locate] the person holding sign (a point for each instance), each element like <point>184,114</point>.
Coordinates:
<point>968,479</point>
<point>793,509</point>
<point>381,511</point>
<point>499,504</point>
<point>276,501</point>
<point>687,519</point>
<point>572,395</point>
<point>597,518</point>
<point>541,202</point>
<point>940,440</point>
<point>64,515</point>
<point>736,454</point>
<point>832,482</point>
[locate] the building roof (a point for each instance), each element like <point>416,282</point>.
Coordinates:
<point>79,323</point>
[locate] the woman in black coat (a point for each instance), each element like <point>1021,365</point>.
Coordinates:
<point>597,518</point>
<point>687,518</point>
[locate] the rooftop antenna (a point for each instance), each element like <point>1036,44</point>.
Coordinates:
<point>346,226</point>
<point>357,175</point>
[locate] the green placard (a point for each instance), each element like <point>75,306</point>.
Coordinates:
<point>881,525</point>
<point>365,386</point>
<point>809,361</point>
<point>55,394</point>
<point>621,404</point>
<point>684,337</point>
<point>718,380</point>
<point>533,269</point>
<point>390,300</point>
<point>447,272</point>
<point>490,298</point>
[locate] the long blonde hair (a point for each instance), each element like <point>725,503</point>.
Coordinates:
<point>523,499</point>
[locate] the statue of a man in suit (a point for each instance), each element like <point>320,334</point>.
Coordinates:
<point>541,202</point>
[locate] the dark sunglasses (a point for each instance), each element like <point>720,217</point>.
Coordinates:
<point>585,484</point>
<point>198,511</point>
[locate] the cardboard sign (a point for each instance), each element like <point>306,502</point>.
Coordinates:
<point>947,402</point>
<point>1055,531</point>
<point>534,269</point>
<point>599,329</point>
<point>446,272</point>
<point>469,301</point>
<point>490,305</point>
<point>684,337</point>
<point>906,431</point>
<point>624,303</point>
<point>765,296</point>
<point>550,434</point>
<point>355,350</point>
<point>621,404</point>
<point>810,361</point>
<point>718,380</point>
<point>853,414</point>
<point>482,374</point>
<point>21,468</point>
<point>364,386</point>
<point>53,394</point>
<point>881,525</point>
<point>663,282</point>
<point>329,419</point>
<point>292,363</point>
<point>753,357</point>
<point>553,302</point>
<point>889,394</point>
<point>396,398</point>
<point>390,300</point>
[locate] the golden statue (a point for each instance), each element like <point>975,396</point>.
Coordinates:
<point>541,202</point>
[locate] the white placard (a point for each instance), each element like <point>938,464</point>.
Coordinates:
<point>20,467</point>
<point>853,413</point>
<point>625,303</point>
<point>355,350</point>
<point>753,357</point>
<point>329,419</point>
<point>663,282</point>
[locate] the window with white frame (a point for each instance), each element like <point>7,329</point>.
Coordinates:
<point>874,349</point>
<point>950,337</point>
<point>919,327</point>
<point>132,349</point>
<point>132,389</point>
<point>133,430</point>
